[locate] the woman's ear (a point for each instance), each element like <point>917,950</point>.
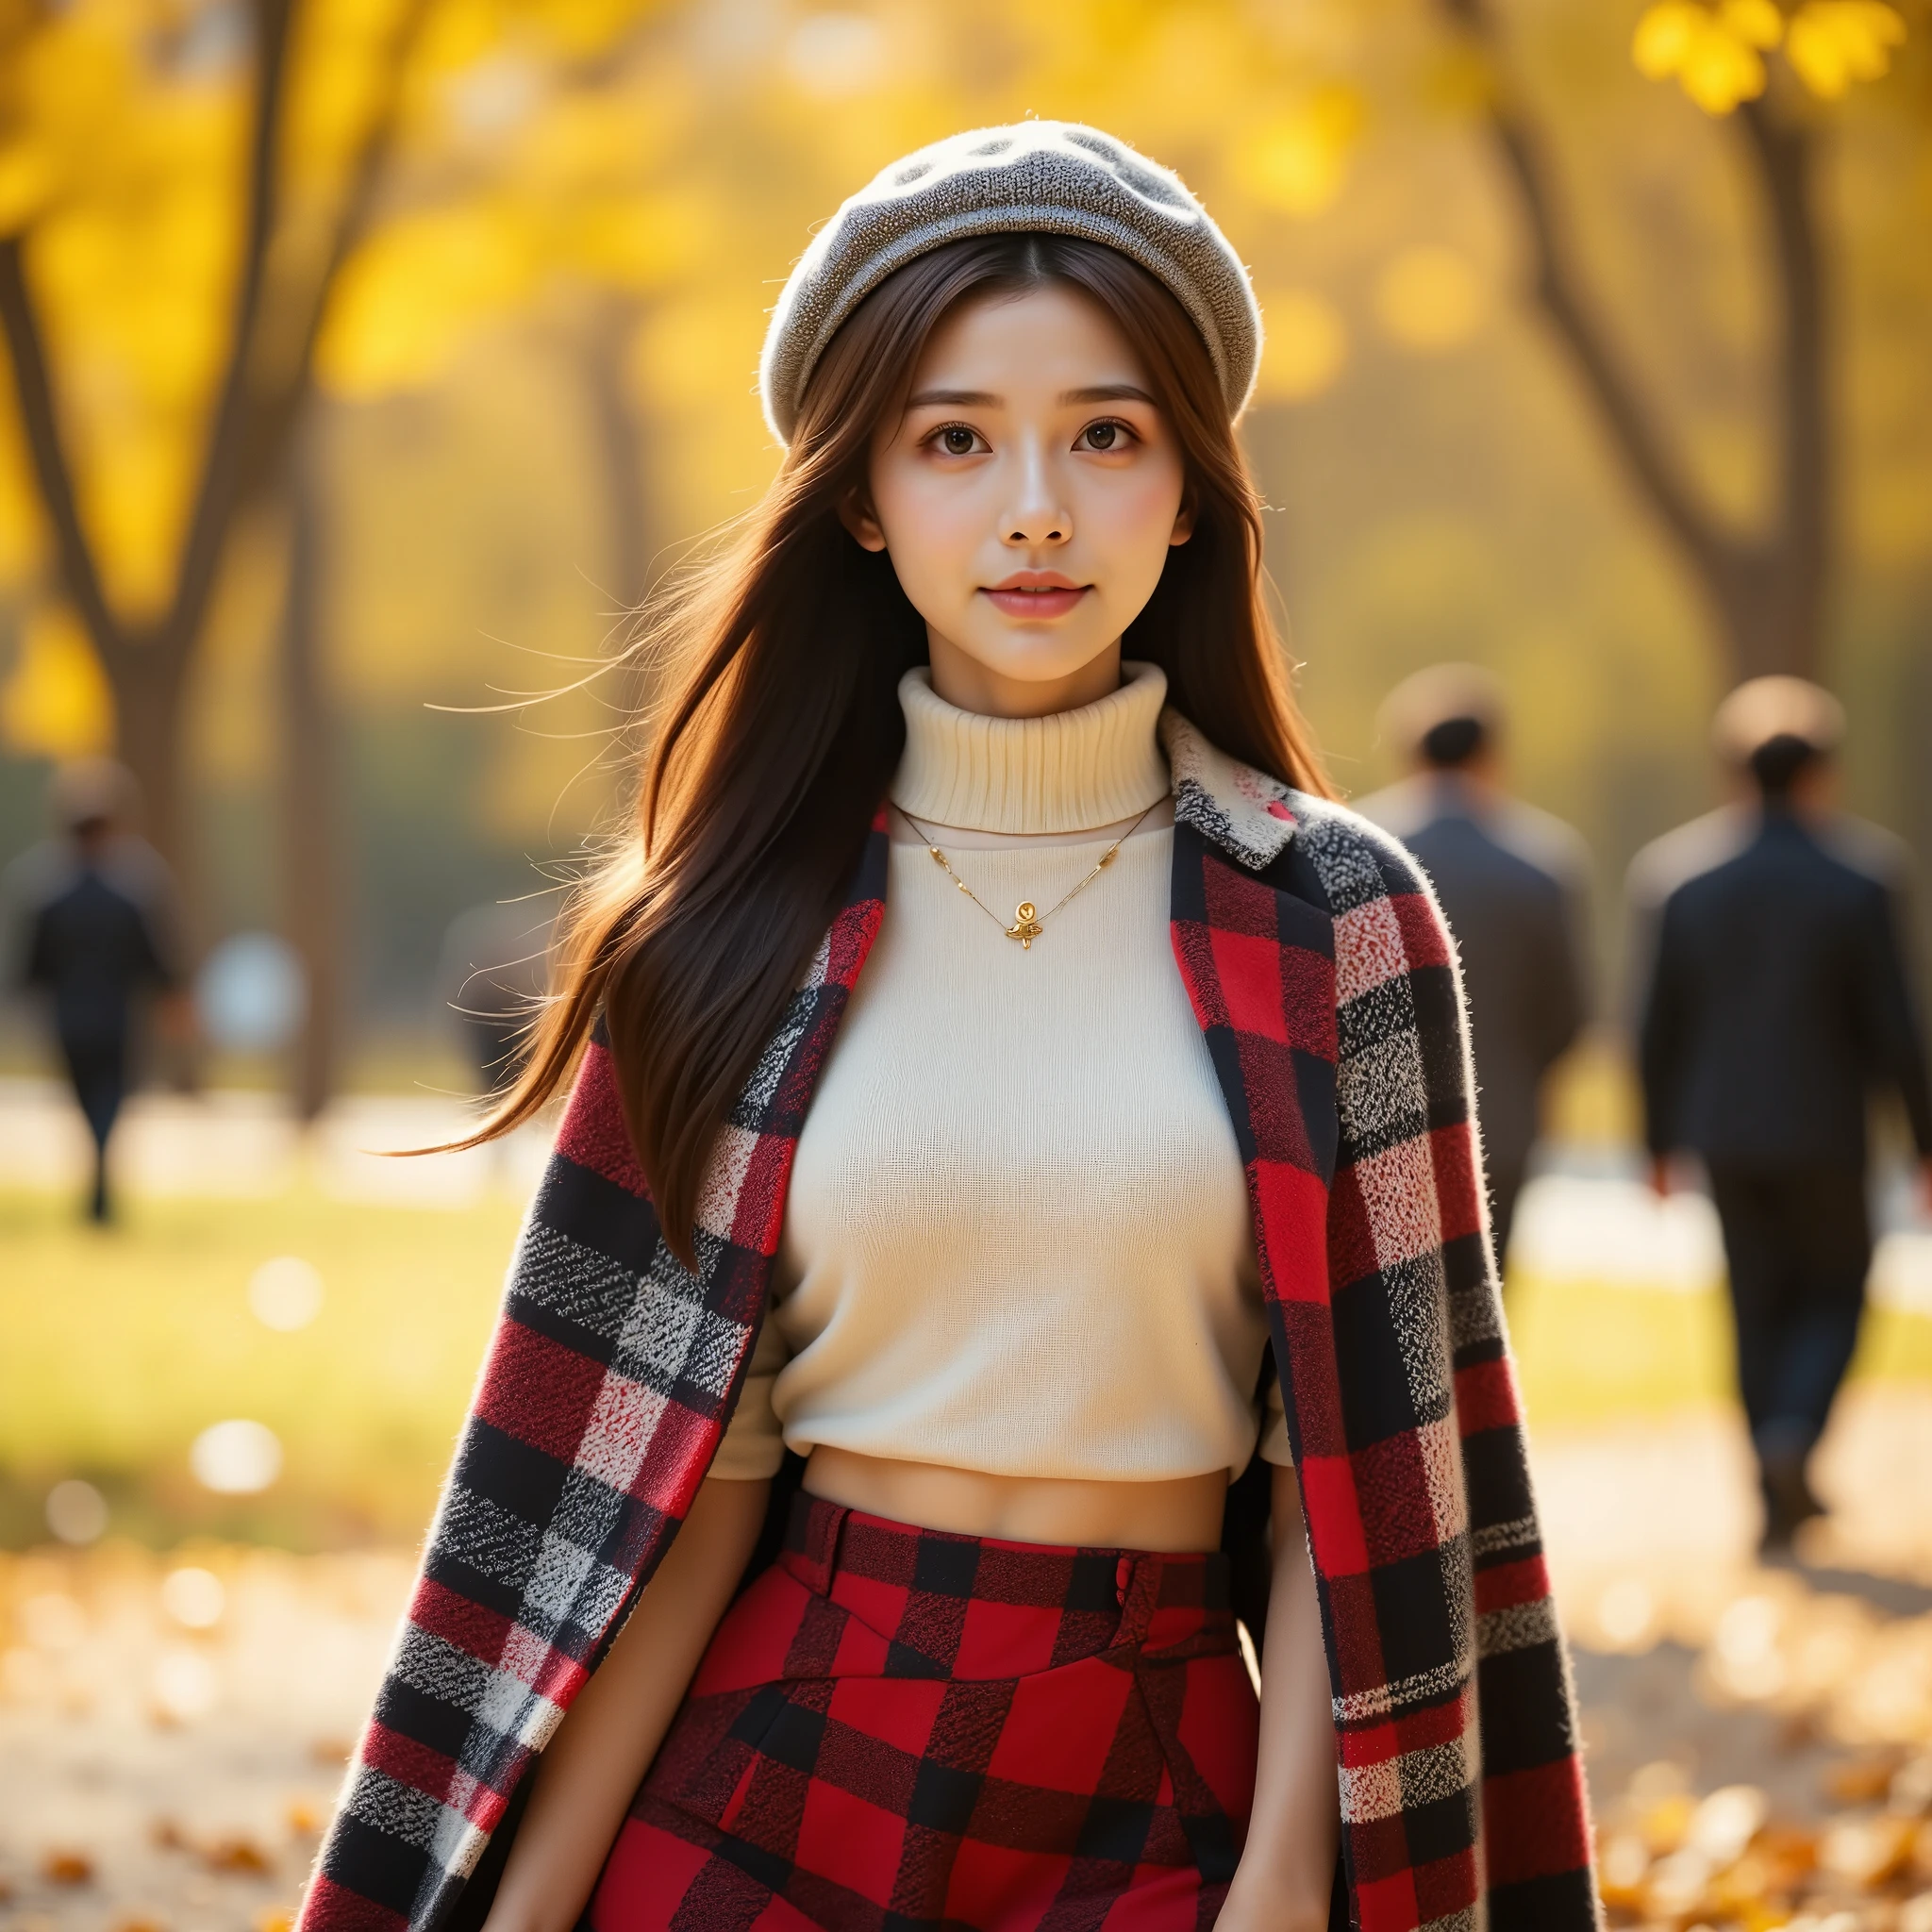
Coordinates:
<point>1183,522</point>
<point>856,513</point>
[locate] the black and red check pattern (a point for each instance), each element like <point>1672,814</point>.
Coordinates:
<point>1326,984</point>
<point>903,1730</point>
<point>609,1380</point>
<point>1326,989</point>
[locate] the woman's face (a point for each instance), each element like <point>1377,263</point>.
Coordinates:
<point>1027,497</point>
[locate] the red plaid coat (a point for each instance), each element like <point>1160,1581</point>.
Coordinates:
<point>1325,985</point>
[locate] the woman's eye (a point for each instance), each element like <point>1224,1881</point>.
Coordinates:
<point>956,441</point>
<point>1105,436</point>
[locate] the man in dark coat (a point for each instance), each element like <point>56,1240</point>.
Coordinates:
<point>1776,999</point>
<point>1514,886</point>
<point>93,908</point>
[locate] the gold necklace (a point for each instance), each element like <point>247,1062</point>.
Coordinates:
<point>1029,921</point>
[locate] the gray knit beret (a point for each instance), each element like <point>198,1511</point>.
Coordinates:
<point>1051,176</point>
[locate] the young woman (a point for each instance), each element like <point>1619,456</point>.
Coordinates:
<point>1012,1096</point>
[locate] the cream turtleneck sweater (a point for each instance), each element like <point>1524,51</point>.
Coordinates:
<point>1018,1238</point>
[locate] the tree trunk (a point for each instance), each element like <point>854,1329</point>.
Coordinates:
<point>263,383</point>
<point>147,669</point>
<point>150,688</point>
<point>1767,592</point>
<point>621,447</point>
<point>310,801</point>
<point>1796,562</point>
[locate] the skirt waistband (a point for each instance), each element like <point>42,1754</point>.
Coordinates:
<point>901,1727</point>
<point>1100,1597</point>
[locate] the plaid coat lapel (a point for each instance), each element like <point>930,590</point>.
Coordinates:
<point>609,1380</point>
<point>1326,984</point>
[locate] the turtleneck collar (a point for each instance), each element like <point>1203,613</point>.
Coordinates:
<point>1069,771</point>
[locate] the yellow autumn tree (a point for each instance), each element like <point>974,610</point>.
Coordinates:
<point>212,209</point>
<point>1768,588</point>
<point>183,188</point>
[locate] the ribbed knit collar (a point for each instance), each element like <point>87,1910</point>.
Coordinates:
<point>1069,771</point>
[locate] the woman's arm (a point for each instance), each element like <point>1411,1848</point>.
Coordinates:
<point>1287,1873</point>
<point>586,1779</point>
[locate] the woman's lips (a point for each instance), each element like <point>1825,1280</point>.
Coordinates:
<point>1044,604</point>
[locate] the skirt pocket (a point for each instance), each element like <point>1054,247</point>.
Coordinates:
<point>707,1759</point>
<point>1207,1722</point>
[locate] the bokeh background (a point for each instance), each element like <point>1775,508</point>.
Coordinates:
<point>367,362</point>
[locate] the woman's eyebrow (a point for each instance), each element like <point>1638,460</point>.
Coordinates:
<point>1107,393</point>
<point>985,399</point>
<point>954,399</point>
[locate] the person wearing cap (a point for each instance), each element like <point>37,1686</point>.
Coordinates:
<point>1514,884</point>
<point>1016,1215</point>
<point>1776,1002</point>
<point>94,931</point>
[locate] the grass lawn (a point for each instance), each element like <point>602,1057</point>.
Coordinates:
<point>118,1348</point>
<point>1588,1352</point>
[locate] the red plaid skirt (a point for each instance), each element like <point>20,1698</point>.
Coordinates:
<point>897,1729</point>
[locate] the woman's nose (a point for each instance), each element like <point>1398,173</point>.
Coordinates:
<point>1036,514</point>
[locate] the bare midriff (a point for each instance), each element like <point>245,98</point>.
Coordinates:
<point>1180,1514</point>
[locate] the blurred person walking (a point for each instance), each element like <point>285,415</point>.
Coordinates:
<point>1776,999</point>
<point>95,928</point>
<point>1514,884</point>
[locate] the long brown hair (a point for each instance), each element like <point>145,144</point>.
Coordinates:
<point>782,726</point>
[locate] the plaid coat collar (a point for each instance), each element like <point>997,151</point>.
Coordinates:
<point>1326,986</point>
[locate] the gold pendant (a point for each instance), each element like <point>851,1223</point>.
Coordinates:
<point>1026,926</point>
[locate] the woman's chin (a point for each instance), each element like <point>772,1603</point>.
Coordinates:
<point>1037,652</point>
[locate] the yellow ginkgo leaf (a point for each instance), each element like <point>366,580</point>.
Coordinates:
<point>1714,55</point>
<point>1306,345</point>
<point>581,139</point>
<point>55,703</point>
<point>1430,299</point>
<point>415,291</point>
<point>1664,37</point>
<point>1720,70</point>
<point>1834,43</point>
<point>1297,164</point>
<point>460,33</point>
<point>582,27</point>
<point>173,348</point>
<point>631,241</point>
<point>1756,22</point>
<point>27,182</point>
<point>329,105</point>
<point>137,506</point>
<point>689,354</point>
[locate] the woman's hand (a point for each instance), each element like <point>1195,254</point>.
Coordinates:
<point>1287,1873</point>
<point>585,1781</point>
